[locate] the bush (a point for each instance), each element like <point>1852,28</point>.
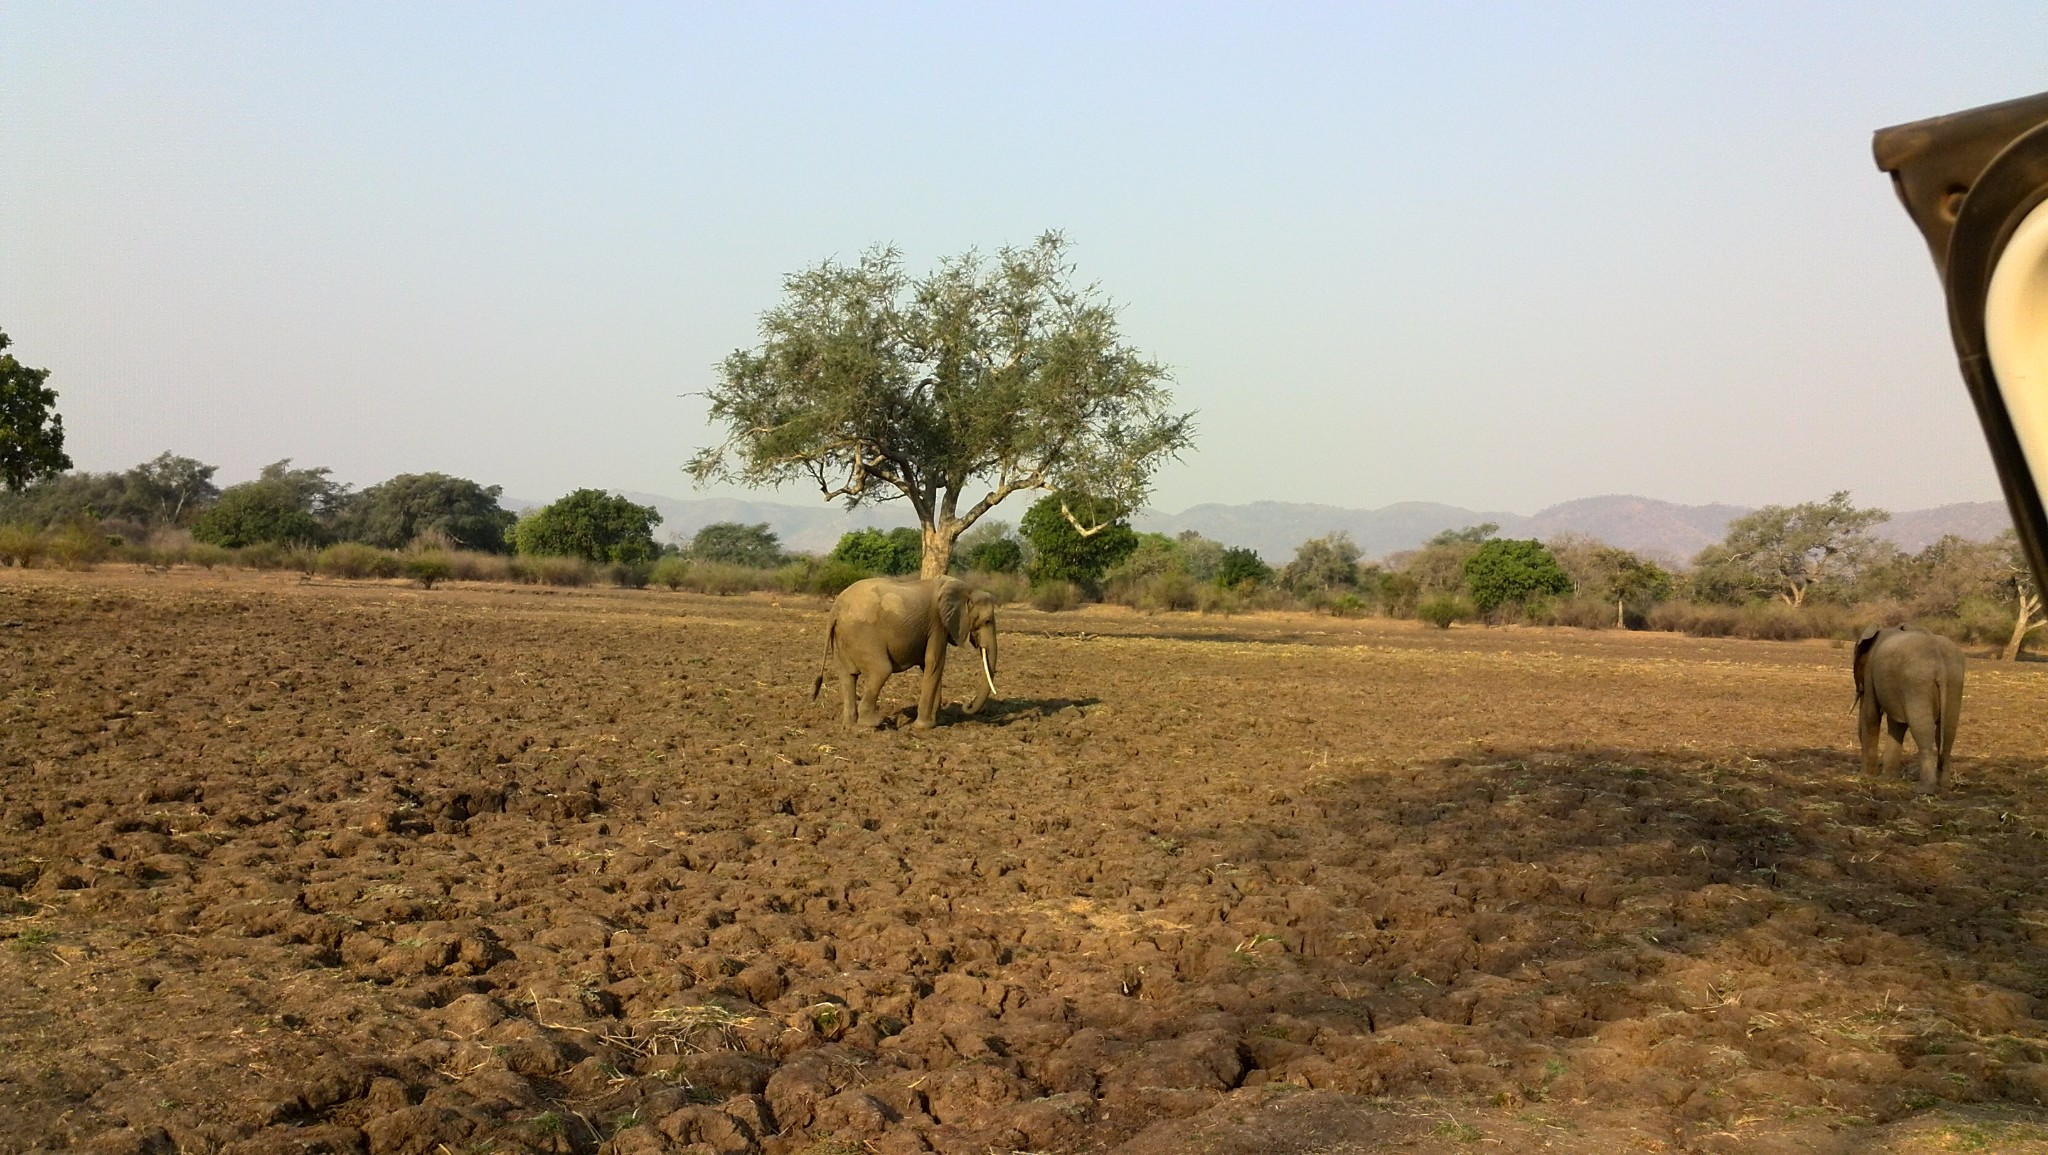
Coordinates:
<point>1240,566</point>
<point>1346,606</point>
<point>79,544</point>
<point>1441,611</point>
<point>20,545</point>
<point>1580,613</point>
<point>669,571</point>
<point>814,576</point>
<point>355,560</point>
<point>730,543</point>
<point>1153,593</point>
<point>552,571</point>
<point>592,525</point>
<point>1055,596</point>
<point>273,510</point>
<point>1008,587</point>
<point>264,555</point>
<point>427,568</point>
<point>898,551</point>
<point>207,556</point>
<point>1507,572</point>
<point>989,547</point>
<point>724,579</point>
<point>470,566</point>
<point>1211,598</point>
<point>629,575</point>
<point>1062,554</point>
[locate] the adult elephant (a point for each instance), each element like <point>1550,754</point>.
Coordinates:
<point>881,626</point>
<point>1908,679</point>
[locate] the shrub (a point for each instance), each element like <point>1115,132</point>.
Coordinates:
<point>264,555</point>
<point>457,512</point>
<point>355,560</point>
<point>589,524</point>
<point>552,571</point>
<point>20,545</point>
<point>898,551</point>
<point>1442,610</point>
<point>1211,598</point>
<point>1346,606</point>
<point>1583,613</point>
<point>669,571</point>
<point>1008,587</point>
<point>207,556</point>
<point>725,579</point>
<point>1323,564</point>
<point>1061,553</point>
<point>1240,566</point>
<point>1509,572</point>
<point>989,547</point>
<point>427,568</point>
<point>824,577</point>
<point>470,566</point>
<point>629,575</point>
<point>1055,596</point>
<point>1166,590</point>
<point>730,543</point>
<point>273,509</point>
<point>301,557</point>
<point>79,544</point>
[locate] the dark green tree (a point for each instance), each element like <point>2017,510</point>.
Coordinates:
<point>31,429</point>
<point>1240,566</point>
<point>895,551</point>
<point>1061,552</point>
<point>731,543</point>
<point>257,511</point>
<point>990,547</point>
<point>1501,572</point>
<point>392,513</point>
<point>1323,565</point>
<point>590,524</point>
<point>1002,374</point>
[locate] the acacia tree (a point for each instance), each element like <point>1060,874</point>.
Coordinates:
<point>31,429</point>
<point>2020,573</point>
<point>1789,549</point>
<point>997,373</point>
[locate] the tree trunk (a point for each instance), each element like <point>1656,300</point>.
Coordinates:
<point>938,550</point>
<point>2029,617</point>
<point>1620,614</point>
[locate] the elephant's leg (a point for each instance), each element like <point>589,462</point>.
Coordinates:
<point>1869,728</point>
<point>1895,749</point>
<point>1920,718</point>
<point>928,691</point>
<point>870,716</point>
<point>847,706</point>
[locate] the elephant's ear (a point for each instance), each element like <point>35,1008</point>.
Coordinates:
<point>1864,641</point>
<point>951,604</point>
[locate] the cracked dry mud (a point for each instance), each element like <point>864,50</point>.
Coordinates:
<point>300,867</point>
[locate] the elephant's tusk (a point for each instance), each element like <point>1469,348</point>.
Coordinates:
<point>987,673</point>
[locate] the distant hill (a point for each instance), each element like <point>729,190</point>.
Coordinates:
<point>1664,530</point>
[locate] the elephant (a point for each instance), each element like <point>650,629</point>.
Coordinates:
<point>881,626</point>
<point>1909,679</point>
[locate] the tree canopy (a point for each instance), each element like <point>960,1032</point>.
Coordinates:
<point>1787,550</point>
<point>392,513</point>
<point>999,374</point>
<point>31,429</point>
<point>894,551</point>
<point>167,490</point>
<point>1061,552</point>
<point>590,524</point>
<point>733,543</point>
<point>1504,571</point>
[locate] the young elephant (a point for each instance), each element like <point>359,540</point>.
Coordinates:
<point>881,626</point>
<point>1909,679</point>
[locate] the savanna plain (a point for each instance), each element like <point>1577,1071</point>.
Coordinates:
<point>306,866</point>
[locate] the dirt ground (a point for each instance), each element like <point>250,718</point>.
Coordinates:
<point>294,866</point>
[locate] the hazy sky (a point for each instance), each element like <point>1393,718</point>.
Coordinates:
<point>1488,254</point>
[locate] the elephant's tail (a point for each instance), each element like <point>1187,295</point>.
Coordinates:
<point>831,632</point>
<point>1944,723</point>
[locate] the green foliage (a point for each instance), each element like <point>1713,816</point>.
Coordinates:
<point>1055,596</point>
<point>352,559</point>
<point>1322,565</point>
<point>826,578</point>
<point>428,568</point>
<point>1788,551</point>
<point>1610,577</point>
<point>1242,567</point>
<point>895,551</point>
<point>730,543</point>
<point>1200,555</point>
<point>990,547</point>
<point>1510,572</point>
<point>392,514</point>
<point>589,524</point>
<point>31,429</point>
<point>166,491</point>
<point>670,572</point>
<point>1061,552</point>
<point>277,507</point>
<point>1470,535</point>
<point>1443,609</point>
<point>1001,373</point>
<point>630,575</point>
<point>78,544</point>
